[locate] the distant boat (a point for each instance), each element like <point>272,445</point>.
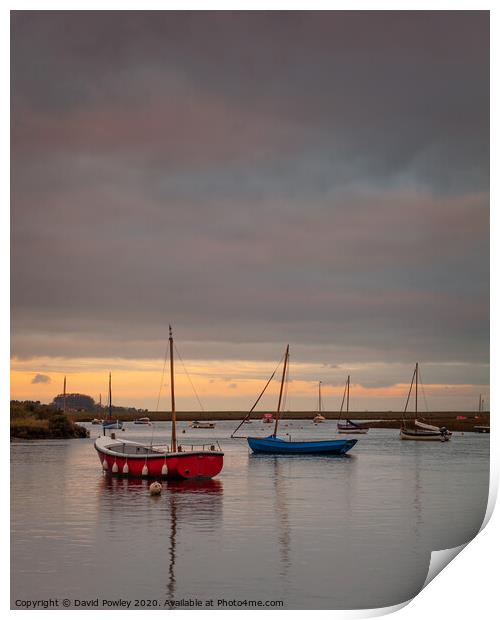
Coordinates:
<point>133,459</point>
<point>268,418</point>
<point>142,421</point>
<point>197,424</point>
<point>97,421</point>
<point>110,422</point>
<point>349,427</point>
<point>481,429</point>
<point>319,417</point>
<point>275,445</point>
<point>421,431</point>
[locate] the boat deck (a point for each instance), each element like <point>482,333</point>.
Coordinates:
<point>130,448</point>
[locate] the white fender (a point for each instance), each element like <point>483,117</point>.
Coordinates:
<point>164,470</point>
<point>125,468</point>
<point>114,469</point>
<point>105,464</point>
<point>145,470</point>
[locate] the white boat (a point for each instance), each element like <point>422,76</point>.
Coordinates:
<point>421,430</point>
<point>319,417</point>
<point>142,421</point>
<point>196,424</point>
<point>349,427</point>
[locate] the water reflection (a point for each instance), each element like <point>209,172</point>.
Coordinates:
<point>306,530</point>
<point>284,530</point>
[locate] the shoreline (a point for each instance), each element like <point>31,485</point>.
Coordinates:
<point>373,419</point>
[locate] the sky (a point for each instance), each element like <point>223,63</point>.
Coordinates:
<point>255,179</point>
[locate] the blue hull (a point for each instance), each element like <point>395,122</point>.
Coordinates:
<point>274,445</point>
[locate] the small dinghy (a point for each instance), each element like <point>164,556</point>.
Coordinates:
<point>421,431</point>
<point>133,459</point>
<point>274,445</point>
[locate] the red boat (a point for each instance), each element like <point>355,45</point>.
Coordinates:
<point>133,459</point>
<point>129,458</point>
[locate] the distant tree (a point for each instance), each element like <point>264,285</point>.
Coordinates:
<point>77,402</point>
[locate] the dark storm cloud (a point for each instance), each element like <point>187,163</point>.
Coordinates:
<point>252,177</point>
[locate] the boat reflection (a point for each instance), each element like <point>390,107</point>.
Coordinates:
<point>184,509</point>
<point>284,529</point>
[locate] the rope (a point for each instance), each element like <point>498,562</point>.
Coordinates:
<point>343,399</point>
<point>256,402</point>
<point>409,393</point>
<point>188,376</point>
<point>287,378</point>
<point>159,393</point>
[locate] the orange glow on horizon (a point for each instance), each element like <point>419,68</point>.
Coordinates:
<point>220,384</point>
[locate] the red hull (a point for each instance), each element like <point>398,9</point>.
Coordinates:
<point>184,466</point>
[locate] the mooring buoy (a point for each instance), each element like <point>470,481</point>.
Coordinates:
<point>155,488</point>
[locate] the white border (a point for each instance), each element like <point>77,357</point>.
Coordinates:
<point>467,588</point>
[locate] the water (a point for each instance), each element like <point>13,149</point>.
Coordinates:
<point>312,532</point>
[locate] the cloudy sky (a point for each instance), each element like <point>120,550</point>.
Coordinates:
<point>255,179</point>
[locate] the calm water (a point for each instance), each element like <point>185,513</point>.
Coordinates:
<point>313,532</point>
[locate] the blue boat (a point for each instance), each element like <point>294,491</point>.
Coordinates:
<point>274,445</point>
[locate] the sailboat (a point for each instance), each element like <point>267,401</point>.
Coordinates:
<point>275,445</point>
<point>176,461</point>
<point>349,427</point>
<point>111,422</point>
<point>319,417</point>
<point>98,420</point>
<point>422,431</point>
<point>480,428</point>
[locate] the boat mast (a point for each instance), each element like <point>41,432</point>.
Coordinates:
<point>416,390</point>
<point>480,408</point>
<point>285,364</point>
<point>348,391</point>
<point>64,395</point>
<point>319,397</point>
<point>172,389</point>
<point>110,405</point>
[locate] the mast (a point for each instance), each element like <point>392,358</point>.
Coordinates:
<point>172,389</point>
<point>416,390</point>
<point>343,399</point>
<point>319,397</point>
<point>480,408</point>
<point>285,364</point>
<point>64,395</point>
<point>110,405</point>
<point>348,392</point>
